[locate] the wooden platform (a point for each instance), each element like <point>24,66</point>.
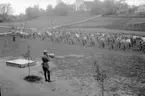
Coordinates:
<point>21,63</point>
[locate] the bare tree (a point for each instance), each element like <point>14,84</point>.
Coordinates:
<point>27,55</point>
<point>100,75</point>
<point>5,10</point>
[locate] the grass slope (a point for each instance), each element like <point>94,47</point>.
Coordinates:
<point>49,21</point>
<point>121,23</point>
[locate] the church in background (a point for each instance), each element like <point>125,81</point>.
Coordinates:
<point>81,5</point>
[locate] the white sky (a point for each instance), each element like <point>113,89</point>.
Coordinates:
<point>19,6</point>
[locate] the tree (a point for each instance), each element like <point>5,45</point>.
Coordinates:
<point>61,9</point>
<point>109,7</point>
<point>41,12</point>
<point>5,10</point>
<point>32,12</point>
<point>122,7</point>
<point>97,7</point>
<point>49,10</point>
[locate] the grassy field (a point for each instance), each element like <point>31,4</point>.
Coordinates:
<point>118,23</point>
<point>19,47</point>
<point>49,21</point>
<point>99,24</point>
<point>2,29</point>
<point>69,72</point>
<point>71,76</point>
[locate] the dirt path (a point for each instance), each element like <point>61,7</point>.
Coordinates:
<point>12,83</point>
<point>82,21</point>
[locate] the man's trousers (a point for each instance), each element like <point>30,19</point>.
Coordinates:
<point>46,73</point>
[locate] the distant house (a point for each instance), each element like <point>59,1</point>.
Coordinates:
<point>141,10</point>
<point>78,5</point>
<point>83,5</point>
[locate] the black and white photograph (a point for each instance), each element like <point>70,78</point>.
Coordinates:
<point>72,47</point>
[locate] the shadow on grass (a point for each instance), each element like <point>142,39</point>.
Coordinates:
<point>33,79</point>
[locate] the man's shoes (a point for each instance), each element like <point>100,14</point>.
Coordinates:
<point>49,81</point>
<point>46,80</point>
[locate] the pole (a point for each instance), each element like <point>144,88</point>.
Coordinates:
<point>28,60</point>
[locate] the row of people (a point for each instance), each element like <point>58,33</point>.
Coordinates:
<point>103,40</point>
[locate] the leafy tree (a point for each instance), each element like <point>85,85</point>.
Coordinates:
<point>32,12</point>
<point>97,7</point>
<point>109,7</point>
<point>122,6</point>
<point>61,9</point>
<point>49,10</point>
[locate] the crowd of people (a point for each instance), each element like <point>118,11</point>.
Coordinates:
<point>117,41</point>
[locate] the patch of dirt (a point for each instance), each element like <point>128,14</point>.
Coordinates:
<point>33,79</point>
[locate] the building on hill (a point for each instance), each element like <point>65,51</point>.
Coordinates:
<point>83,5</point>
<point>123,11</point>
<point>78,5</point>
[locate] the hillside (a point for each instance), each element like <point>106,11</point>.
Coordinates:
<point>121,23</point>
<point>49,21</point>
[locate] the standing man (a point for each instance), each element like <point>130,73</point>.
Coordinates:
<point>45,65</point>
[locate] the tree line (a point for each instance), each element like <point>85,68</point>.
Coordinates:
<point>105,7</point>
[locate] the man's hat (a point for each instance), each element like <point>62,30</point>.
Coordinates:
<point>45,51</point>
